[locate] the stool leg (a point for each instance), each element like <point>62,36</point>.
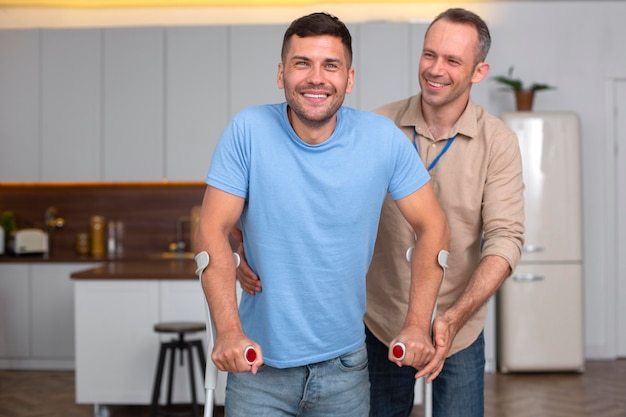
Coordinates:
<point>174,346</point>
<point>200,350</point>
<point>192,381</point>
<point>156,389</point>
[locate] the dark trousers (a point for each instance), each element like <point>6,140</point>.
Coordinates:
<point>458,391</point>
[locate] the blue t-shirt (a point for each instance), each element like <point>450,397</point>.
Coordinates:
<point>309,223</point>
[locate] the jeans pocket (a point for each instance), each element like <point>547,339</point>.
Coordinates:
<point>353,361</point>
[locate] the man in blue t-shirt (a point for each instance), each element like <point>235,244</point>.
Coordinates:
<point>304,181</point>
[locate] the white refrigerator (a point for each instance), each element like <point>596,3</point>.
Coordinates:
<point>540,307</point>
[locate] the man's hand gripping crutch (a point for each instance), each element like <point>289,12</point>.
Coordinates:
<point>398,350</point>
<point>250,353</point>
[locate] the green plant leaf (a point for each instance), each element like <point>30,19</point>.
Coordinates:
<point>538,87</point>
<point>516,84</point>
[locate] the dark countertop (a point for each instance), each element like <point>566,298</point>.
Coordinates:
<point>71,257</point>
<point>133,266</point>
<point>39,258</point>
<point>146,269</point>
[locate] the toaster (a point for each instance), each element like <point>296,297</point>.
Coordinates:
<point>28,241</point>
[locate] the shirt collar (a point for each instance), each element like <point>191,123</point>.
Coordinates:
<point>467,125</point>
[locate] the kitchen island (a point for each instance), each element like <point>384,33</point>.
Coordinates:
<point>117,305</point>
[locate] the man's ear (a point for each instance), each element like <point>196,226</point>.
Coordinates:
<point>279,76</point>
<point>480,72</point>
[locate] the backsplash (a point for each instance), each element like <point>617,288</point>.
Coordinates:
<point>149,211</point>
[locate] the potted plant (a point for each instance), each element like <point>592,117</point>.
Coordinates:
<point>524,96</point>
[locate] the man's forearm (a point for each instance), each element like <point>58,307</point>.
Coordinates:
<point>485,281</point>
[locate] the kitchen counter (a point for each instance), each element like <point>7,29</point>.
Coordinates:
<point>145,269</point>
<point>71,256</point>
<point>140,266</point>
<point>117,305</point>
<point>39,258</point>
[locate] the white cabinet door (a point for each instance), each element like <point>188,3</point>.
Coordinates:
<point>70,104</point>
<point>253,66</point>
<point>19,105</point>
<point>116,347</point>
<point>133,104</point>
<point>196,111</point>
<point>550,146</point>
<point>14,312</point>
<point>52,311</point>
<point>373,67</point>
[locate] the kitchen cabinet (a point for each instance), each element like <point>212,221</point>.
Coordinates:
<point>196,91</point>
<point>148,103</point>
<point>14,313</point>
<point>116,346</point>
<point>70,104</point>
<point>37,315</point>
<point>253,66</point>
<point>133,102</point>
<point>373,63</point>
<point>19,105</point>
<point>52,311</point>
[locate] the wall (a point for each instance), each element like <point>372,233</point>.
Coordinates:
<point>575,45</point>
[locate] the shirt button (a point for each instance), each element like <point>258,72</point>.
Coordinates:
<point>433,145</point>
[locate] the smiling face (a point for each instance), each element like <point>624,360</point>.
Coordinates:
<point>316,75</point>
<point>448,67</point>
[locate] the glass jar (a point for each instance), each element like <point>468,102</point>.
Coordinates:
<point>96,224</point>
<point>82,244</point>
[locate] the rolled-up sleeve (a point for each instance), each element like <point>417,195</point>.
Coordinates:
<point>503,201</point>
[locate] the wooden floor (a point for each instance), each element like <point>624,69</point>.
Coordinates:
<point>599,392</point>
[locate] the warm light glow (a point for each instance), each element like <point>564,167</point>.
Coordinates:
<point>14,14</point>
<point>176,3</point>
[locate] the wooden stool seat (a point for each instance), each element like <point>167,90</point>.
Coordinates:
<point>181,328</point>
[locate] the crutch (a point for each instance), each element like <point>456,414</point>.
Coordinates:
<point>210,375</point>
<point>399,350</point>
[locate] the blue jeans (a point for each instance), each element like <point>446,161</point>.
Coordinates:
<point>338,387</point>
<point>458,391</point>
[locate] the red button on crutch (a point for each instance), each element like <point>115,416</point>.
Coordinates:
<point>249,355</point>
<point>398,351</point>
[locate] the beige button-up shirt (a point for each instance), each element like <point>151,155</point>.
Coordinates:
<point>479,184</point>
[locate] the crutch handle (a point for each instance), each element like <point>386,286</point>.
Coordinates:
<point>398,351</point>
<point>250,355</point>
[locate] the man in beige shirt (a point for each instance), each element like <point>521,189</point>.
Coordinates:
<point>476,171</point>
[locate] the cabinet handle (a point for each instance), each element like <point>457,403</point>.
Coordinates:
<point>532,248</point>
<point>527,277</point>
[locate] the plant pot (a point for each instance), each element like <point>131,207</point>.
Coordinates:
<point>524,100</point>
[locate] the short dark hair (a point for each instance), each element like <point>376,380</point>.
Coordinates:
<point>464,16</point>
<point>317,24</point>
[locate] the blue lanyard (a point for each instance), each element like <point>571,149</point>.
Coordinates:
<point>444,150</point>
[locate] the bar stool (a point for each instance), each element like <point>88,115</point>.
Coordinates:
<point>181,329</point>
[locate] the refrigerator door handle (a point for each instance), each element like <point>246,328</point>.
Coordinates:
<point>532,248</point>
<point>527,277</point>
